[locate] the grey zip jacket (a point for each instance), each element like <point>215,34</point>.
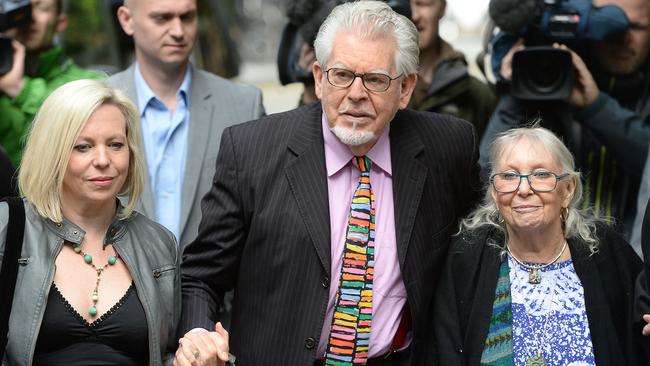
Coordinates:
<point>149,252</point>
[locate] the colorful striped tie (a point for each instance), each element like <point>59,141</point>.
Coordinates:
<point>350,334</point>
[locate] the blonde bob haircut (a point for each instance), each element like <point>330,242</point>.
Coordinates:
<point>52,136</point>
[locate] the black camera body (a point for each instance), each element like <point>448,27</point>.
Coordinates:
<point>13,13</point>
<point>542,72</point>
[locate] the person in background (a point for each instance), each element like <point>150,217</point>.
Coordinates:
<point>604,121</point>
<point>316,213</point>
<point>532,278</point>
<point>100,284</point>
<point>39,67</point>
<point>444,83</point>
<point>183,110</point>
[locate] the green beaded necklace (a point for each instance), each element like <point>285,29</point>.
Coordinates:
<point>89,259</point>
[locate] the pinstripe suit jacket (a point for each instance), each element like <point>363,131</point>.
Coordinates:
<point>265,229</point>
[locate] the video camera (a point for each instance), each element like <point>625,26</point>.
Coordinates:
<point>541,72</point>
<point>304,27</point>
<point>13,13</point>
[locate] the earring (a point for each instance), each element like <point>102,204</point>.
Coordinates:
<point>564,215</point>
<point>499,218</point>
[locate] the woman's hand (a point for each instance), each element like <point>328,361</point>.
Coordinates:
<point>646,329</point>
<point>203,348</point>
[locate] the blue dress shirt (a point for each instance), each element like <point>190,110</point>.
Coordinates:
<point>164,134</point>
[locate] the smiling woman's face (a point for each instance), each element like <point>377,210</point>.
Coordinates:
<point>99,162</point>
<point>525,210</point>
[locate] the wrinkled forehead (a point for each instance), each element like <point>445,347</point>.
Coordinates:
<point>371,49</point>
<point>525,150</point>
<point>159,5</point>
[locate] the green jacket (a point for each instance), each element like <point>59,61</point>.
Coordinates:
<point>454,91</point>
<point>16,114</point>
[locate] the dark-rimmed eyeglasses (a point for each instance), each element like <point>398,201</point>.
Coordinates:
<point>373,81</point>
<point>539,181</point>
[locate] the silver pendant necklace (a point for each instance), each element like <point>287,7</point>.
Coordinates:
<point>534,274</point>
<point>536,358</point>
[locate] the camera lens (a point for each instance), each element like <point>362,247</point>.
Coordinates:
<point>542,73</point>
<point>546,75</point>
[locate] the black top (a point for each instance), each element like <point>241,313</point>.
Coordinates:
<point>119,337</point>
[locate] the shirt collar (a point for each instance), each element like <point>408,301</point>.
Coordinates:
<point>145,94</point>
<point>338,154</point>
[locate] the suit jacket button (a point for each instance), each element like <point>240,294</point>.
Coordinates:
<point>310,343</point>
<point>326,282</point>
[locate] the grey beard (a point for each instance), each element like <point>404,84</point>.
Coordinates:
<point>352,137</point>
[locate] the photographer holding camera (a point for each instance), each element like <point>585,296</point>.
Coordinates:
<point>602,117</point>
<point>39,67</point>
<point>444,84</point>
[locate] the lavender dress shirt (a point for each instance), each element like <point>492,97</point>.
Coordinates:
<point>389,293</point>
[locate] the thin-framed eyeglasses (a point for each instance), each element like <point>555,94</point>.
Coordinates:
<point>373,81</point>
<point>539,181</point>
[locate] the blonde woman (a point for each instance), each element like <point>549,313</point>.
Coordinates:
<point>99,282</point>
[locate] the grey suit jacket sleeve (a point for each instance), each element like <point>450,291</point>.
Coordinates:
<point>210,262</point>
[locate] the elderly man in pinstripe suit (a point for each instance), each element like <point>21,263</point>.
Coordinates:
<point>331,221</point>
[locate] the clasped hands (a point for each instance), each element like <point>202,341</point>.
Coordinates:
<point>201,347</point>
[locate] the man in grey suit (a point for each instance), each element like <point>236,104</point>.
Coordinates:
<point>332,221</point>
<point>183,110</point>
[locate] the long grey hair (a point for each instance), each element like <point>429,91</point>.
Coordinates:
<point>578,223</point>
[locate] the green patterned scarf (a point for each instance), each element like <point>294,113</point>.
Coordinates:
<point>498,349</point>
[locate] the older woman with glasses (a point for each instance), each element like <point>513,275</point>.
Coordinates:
<point>533,278</point>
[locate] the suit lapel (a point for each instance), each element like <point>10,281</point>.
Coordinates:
<point>409,175</point>
<point>307,178</point>
<point>202,107</point>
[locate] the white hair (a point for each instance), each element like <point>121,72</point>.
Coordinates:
<point>580,223</point>
<point>370,19</point>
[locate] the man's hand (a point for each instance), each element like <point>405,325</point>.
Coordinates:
<point>12,82</point>
<point>506,62</point>
<point>646,329</point>
<point>585,91</point>
<point>203,348</point>
<point>307,57</point>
